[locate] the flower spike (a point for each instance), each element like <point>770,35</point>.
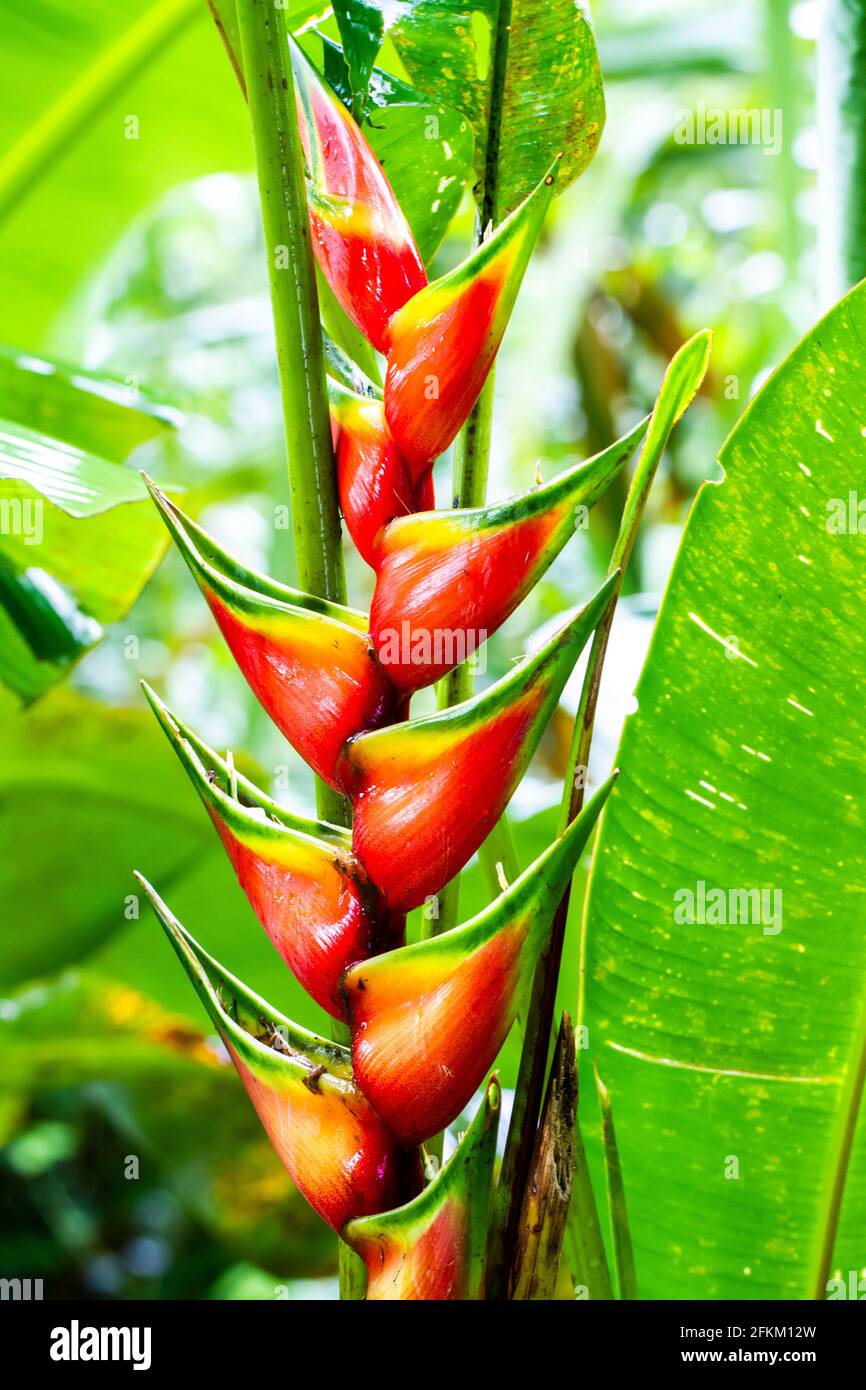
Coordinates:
<point>465,572</point>
<point>338,1151</point>
<point>373,480</point>
<point>444,340</point>
<point>428,1021</point>
<point>301,878</point>
<point>360,236</point>
<point>433,1248</point>
<point>415,824</point>
<point>310,663</point>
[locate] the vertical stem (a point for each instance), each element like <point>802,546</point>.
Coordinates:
<point>312,477</point>
<point>842,136</point>
<point>312,474</point>
<point>783,96</point>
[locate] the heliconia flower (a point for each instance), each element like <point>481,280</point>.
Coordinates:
<point>373,481</point>
<point>416,824</point>
<point>463,573</point>
<point>301,877</point>
<point>338,1151</point>
<point>428,1021</point>
<point>360,236</point>
<point>444,340</point>
<point>433,1248</point>
<point>309,662</point>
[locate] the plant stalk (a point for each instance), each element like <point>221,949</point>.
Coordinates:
<point>300,361</point>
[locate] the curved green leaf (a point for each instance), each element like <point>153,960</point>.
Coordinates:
<point>94,413</point>
<point>733,1027</point>
<point>85,521</point>
<point>84,789</point>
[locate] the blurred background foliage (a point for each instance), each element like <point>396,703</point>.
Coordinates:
<point>131,1164</point>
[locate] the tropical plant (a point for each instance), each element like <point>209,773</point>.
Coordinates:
<point>698,1063</point>
<point>423,1022</point>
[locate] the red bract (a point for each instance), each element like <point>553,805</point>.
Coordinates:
<point>334,1145</point>
<point>374,484</point>
<point>433,1248</point>
<point>428,1021</point>
<point>310,663</point>
<point>428,792</point>
<point>462,573</point>
<point>361,239</point>
<point>303,881</point>
<point>443,342</point>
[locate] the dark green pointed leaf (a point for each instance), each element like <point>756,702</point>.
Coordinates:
<point>361,29</point>
<point>732,1025</point>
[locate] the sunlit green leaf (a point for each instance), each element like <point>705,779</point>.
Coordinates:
<point>730,1026</point>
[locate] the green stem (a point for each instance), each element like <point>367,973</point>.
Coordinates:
<point>842,137</point>
<point>623,1254</point>
<point>783,99</point>
<point>312,474</point>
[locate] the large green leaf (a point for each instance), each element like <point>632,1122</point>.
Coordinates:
<point>95,413</point>
<point>86,521</point>
<point>735,1053</point>
<point>86,792</point>
<point>533,62</point>
<point>78,537</point>
<point>106,106</point>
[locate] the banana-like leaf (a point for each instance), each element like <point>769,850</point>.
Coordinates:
<point>301,878</point>
<point>337,1150</point>
<point>97,414</point>
<point>76,546</point>
<point>82,786</point>
<point>84,520</point>
<point>428,1020</point>
<point>466,571</point>
<point>416,820</point>
<point>725,971</point>
<point>540,58</point>
<point>432,1249</point>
